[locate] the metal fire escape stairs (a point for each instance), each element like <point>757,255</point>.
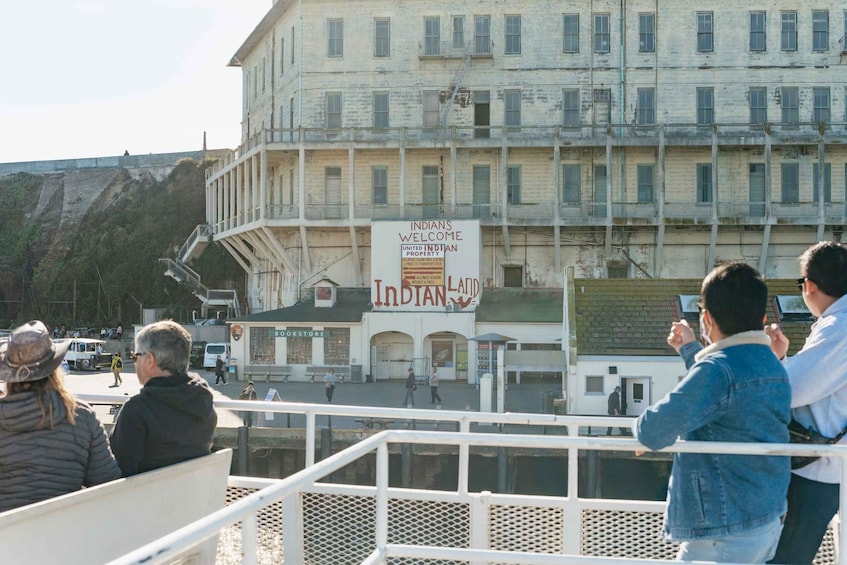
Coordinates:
<point>178,269</point>
<point>454,90</point>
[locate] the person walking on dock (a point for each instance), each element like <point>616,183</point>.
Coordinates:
<point>117,366</point>
<point>411,386</point>
<point>433,385</point>
<point>329,384</point>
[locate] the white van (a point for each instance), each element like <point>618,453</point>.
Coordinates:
<point>212,352</point>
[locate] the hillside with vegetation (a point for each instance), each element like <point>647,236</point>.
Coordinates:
<point>82,248</point>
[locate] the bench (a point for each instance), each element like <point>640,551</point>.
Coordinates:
<point>341,371</point>
<point>110,520</point>
<point>269,372</point>
<point>374,423</point>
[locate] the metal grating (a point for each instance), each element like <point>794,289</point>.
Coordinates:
<point>619,533</point>
<point>525,528</point>
<point>270,546</point>
<point>827,553</point>
<point>339,529</point>
<point>428,522</point>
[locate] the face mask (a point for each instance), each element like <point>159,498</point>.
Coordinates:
<point>704,333</point>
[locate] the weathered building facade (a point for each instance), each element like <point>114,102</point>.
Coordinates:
<point>625,138</point>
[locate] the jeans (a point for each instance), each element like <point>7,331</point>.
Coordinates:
<point>753,546</point>
<point>811,505</point>
<point>433,392</point>
<point>410,397</point>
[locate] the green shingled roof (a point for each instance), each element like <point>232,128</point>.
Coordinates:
<point>539,305</point>
<point>633,316</point>
<point>349,306</point>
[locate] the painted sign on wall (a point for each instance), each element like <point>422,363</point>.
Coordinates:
<point>426,265</point>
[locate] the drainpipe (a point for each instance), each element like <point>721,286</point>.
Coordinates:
<point>622,79</point>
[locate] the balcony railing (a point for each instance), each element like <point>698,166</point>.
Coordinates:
<point>306,519</point>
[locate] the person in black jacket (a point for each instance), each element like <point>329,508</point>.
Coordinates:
<point>616,407</point>
<point>172,418</point>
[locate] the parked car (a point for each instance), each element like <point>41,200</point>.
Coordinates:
<point>210,322</point>
<point>83,353</point>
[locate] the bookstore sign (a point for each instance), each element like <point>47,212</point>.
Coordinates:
<point>297,333</point>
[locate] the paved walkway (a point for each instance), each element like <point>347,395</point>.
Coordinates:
<point>455,396</point>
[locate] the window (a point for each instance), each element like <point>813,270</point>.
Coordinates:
<point>790,183</point>
<point>337,346</point>
<point>704,183</point>
<point>262,346</point>
<point>646,110</point>
<point>758,105</point>
<point>758,39</point>
<point>827,182</point>
<point>512,102</point>
<point>513,35</point>
<point>602,38</point>
<point>705,32</point>
<point>513,277</point>
<point>299,348</point>
<point>282,55</point>
<point>570,107</point>
<point>820,30</point>
<point>571,33</point>
<point>571,184</point>
<point>482,35</point>
<point>705,106</point>
<point>820,112</point>
<point>432,36</point>
<point>430,108</point>
<point>333,110</point>
<point>788,31</point>
<point>382,37</point>
<point>617,269</point>
<point>380,105</point>
<point>593,385</point>
<point>646,175</point>
<point>790,102</point>
<point>513,184</point>
<point>481,191</point>
<point>335,44</point>
<point>458,32</point>
<point>647,33</point>
<point>379,184</point>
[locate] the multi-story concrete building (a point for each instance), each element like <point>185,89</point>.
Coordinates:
<point>626,138</point>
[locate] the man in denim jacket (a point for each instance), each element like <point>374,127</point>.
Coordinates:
<point>725,507</point>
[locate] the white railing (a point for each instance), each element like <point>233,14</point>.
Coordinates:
<point>289,491</point>
<point>303,518</point>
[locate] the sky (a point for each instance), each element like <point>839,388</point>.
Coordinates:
<point>95,78</point>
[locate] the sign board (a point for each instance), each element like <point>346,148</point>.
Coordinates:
<point>425,265</point>
<point>270,397</point>
<point>296,333</point>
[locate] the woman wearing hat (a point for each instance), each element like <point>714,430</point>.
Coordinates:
<point>50,444</point>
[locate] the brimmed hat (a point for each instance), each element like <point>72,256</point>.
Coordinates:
<point>30,354</point>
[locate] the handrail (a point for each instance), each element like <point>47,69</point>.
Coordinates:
<point>247,508</point>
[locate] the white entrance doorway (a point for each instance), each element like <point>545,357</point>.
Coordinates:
<point>638,394</point>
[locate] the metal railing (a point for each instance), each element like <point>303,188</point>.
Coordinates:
<point>312,522</point>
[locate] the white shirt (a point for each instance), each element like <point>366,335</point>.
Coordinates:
<point>818,376</point>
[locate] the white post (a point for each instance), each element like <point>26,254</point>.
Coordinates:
<point>249,540</point>
<point>381,498</point>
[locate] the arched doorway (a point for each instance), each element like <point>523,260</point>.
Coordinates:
<point>392,353</point>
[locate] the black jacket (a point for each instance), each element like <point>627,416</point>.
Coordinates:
<point>172,419</point>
